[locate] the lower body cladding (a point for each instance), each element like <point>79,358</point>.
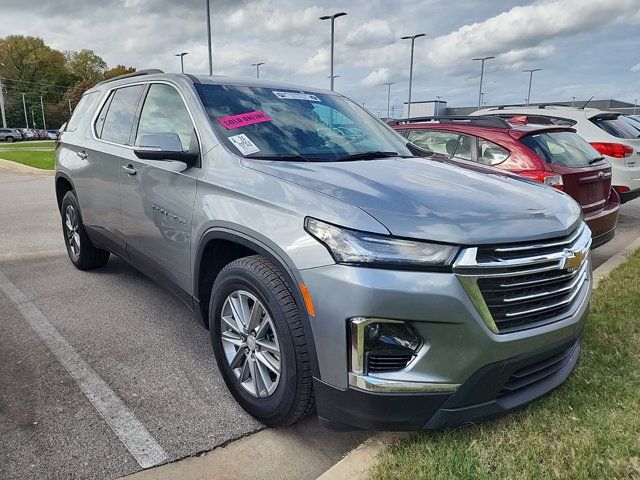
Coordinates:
<point>453,370</point>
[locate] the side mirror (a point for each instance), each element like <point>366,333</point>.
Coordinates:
<point>164,146</point>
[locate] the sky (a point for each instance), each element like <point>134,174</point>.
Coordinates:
<point>584,47</point>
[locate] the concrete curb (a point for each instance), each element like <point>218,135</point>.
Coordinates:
<point>356,464</point>
<point>20,168</point>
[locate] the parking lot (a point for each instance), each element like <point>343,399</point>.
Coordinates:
<point>154,359</point>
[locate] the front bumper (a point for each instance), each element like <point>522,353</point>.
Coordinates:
<point>491,391</point>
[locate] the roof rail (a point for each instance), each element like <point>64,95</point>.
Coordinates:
<point>481,120</point>
<point>138,73</point>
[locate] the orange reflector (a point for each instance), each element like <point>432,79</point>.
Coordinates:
<point>307,300</point>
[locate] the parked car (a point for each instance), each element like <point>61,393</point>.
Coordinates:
<point>634,120</point>
<point>27,134</point>
<point>549,154</point>
<point>611,135</point>
<point>52,134</point>
<point>10,135</point>
<point>329,263</point>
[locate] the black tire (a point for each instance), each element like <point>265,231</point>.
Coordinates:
<point>85,256</point>
<point>293,398</point>
<point>10,139</point>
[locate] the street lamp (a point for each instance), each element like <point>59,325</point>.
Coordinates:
<point>181,55</point>
<point>257,65</point>
<point>635,104</point>
<point>531,70</point>
<point>209,37</point>
<point>413,40</point>
<point>481,59</point>
<point>333,19</point>
<point>388,84</point>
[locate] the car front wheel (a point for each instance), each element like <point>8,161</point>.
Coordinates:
<point>259,342</point>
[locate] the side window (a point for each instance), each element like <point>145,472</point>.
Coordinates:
<point>102,115</point>
<point>445,143</point>
<point>165,112</point>
<point>120,114</point>
<point>82,107</point>
<point>491,154</point>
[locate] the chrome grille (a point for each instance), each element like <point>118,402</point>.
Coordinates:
<point>521,286</point>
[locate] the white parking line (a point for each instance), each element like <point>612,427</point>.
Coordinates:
<point>122,421</point>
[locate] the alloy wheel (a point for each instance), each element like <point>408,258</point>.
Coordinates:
<point>73,236</point>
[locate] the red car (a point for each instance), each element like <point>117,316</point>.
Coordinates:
<point>554,155</point>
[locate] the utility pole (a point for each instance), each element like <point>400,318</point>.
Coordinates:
<point>24,106</point>
<point>481,59</point>
<point>33,118</point>
<point>531,70</point>
<point>44,122</point>
<point>388,84</point>
<point>413,41</point>
<point>4,118</point>
<point>209,37</point>
<point>257,65</point>
<point>333,20</point>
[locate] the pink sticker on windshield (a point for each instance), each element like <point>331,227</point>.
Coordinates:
<point>244,119</point>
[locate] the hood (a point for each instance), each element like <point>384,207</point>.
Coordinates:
<point>434,200</point>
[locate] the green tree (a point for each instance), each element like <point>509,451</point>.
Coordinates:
<point>118,70</point>
<point>86,65</point>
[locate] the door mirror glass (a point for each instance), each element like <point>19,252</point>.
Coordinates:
<point>164,146</point>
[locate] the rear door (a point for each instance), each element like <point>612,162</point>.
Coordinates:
<point>157,196</point>
<point>586,176</point>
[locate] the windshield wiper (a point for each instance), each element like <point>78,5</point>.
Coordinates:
<point>288,157</point>
<point>595,160</point>
<point>366,156</point>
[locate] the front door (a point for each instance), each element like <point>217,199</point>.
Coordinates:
<point>157,196</point>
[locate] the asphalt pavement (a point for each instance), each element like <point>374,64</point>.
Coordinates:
<point>101,370</point>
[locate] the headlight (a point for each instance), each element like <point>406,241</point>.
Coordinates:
<point>355,247</point>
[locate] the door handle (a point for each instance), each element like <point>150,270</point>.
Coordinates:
<point>82,155</point>
<point>129,169</point>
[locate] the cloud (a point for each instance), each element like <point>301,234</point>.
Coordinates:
<point>373,33</point>
<point>376,77</point>
<point>318,63</point>
<point>636,68</point>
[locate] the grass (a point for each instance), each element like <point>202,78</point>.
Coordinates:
<point>21,145</point>
<point>44,159</point>
<point>588,428</point>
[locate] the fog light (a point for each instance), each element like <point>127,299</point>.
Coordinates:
<point>381,345</point>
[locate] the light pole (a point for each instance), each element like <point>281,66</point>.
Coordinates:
<point>388,84</point>
<point>413,41</point>
<point>257,65</point>
<point>24,106</point>
<point>333,19</point>
<point>33,118</point>
<point>209,37</point>
<point>531,70</point>
<point>4,118</point>
<point>44,122</point>
<point>573,102</point>
<point>481,98</point>
<point>181,55</point>
<point>481,59</point>
<point>635,104</point>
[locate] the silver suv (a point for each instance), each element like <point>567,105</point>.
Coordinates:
<point>334,266</point>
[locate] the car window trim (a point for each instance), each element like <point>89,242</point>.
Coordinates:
<point>109,98</point>
<point>147,82</point>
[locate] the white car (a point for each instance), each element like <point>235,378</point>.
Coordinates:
<point>609,133</point>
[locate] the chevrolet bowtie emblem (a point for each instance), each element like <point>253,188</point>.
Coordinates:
<point>573,260</point>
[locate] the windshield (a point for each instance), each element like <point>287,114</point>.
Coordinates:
<point>616,126</point>
<point>258,122</point>
<point>566,149</point>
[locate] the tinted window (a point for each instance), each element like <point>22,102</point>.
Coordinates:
<point>435,141</point>
<point>165,112</point>
<point>491,154</point>
<point>616,126</point>
<point>102,115</point>
<point>567,149</point>
<point>267,122</point>
<point>82,107</point>
<point>120,116</point>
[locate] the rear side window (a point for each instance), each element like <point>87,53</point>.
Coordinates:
<point>491,154</point>
<point>445,143</point>
<point>165,112</point>
<point>616,126</point>
<point>566,149</point>
<point>118,121</point>
<point>82,107</point>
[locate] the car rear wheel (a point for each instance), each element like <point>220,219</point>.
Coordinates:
<point>82,253</point>
<point>10,139</point>
<point>259,343</point>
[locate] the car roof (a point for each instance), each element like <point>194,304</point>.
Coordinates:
<point>559,111</point>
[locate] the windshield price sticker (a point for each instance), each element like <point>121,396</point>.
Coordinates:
<point>244,144</point>
<point>296,96</point>
<point>244,119</point>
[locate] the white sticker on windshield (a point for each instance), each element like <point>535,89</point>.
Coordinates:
<point>244,144</point>
<point>296,96</point>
